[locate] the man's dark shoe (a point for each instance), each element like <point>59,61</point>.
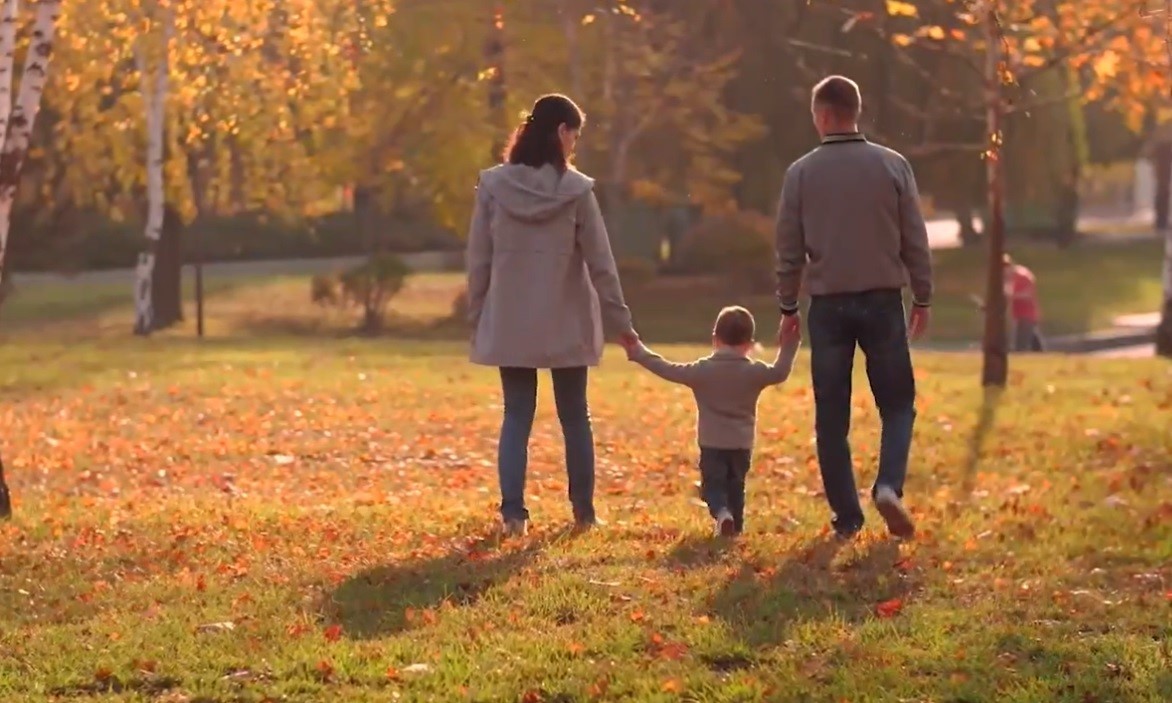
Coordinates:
<point>847,534</point>
<point>899,521</point>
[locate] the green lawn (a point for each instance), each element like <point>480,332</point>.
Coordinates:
<point>1082,289</point>
<point>311,520</point>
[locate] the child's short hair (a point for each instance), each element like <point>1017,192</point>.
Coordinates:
<point>735,326</point>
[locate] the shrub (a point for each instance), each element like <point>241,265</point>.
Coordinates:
<point>738,245</point>
<point>96,243</point>
<point>324,290</point>
<point>369,286</point>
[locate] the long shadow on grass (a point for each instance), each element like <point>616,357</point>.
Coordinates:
<point>387,599</point>
<point>821,580</point>
<point>986,416</point>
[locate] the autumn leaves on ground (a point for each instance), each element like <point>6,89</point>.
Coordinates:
<point>312,521</point>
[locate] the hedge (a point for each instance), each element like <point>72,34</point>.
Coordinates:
<point>103,244</point>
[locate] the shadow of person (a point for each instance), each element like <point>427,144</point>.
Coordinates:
<point>820,580</point>
<point>697,550</point>
<point>385,599</point>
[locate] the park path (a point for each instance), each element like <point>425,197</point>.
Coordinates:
<point>1140,351</point>
<point>942,234</point>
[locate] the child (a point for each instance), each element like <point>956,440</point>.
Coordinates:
<point>726,385</point>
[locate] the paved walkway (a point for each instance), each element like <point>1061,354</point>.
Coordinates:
<point>1142,351</point>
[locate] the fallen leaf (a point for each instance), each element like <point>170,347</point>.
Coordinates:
<point>417,669</point>
<point>672,686</point>
<point>333,633</point>
<point>889,608</point>
<point>226,626</point>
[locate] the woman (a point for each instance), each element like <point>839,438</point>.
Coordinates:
<point>542,284</point>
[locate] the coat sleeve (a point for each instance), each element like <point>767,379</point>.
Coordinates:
<point>479,255</point>
<point>683,374</point>
<point>790,242</point>
<point>783,364</point>
<point>595,247</point>
<point>914,250</point>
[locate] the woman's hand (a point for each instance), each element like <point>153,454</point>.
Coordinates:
<point>629,340</point>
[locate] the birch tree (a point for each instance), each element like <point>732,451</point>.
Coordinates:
<point>197,108</point>
<point>17,125</point>
<point>154,73</point>
<point>18,118</point>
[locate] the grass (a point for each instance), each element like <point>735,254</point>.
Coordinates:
<point>1082,289</point>
<point>307,520</point>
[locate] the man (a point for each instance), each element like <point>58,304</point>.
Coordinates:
<point>850,220</point>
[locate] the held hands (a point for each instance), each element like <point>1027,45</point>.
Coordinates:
<point>789,332</point>
<point>629,341</point>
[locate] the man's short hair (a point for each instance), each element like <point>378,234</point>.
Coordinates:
<point>735,326</point>
<point>840,95</point>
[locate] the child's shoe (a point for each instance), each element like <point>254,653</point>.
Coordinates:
<point>514,528</point>
<point>725,525</point>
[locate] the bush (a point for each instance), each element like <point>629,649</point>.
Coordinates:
<point>95,243</point>
<point>369,286</point>
<point>738,245</point>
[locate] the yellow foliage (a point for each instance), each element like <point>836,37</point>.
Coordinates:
<point>896,8</point>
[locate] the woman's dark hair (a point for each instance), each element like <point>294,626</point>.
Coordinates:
<point>535,142</point>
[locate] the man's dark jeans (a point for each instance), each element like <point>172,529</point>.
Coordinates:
<point>569,392</point>
<point>874,321</point>
<point>722,481</point>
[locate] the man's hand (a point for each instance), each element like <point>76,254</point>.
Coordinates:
<point>918,320</point>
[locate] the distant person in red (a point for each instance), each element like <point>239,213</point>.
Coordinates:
<point>1021,292</point>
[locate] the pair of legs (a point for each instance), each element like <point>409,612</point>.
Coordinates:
<point>1027,337</point>
<point>722,482</point>
<point>874,322</point>
<point>569,391</point>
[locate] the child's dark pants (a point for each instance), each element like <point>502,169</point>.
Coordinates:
<point>722,481</point>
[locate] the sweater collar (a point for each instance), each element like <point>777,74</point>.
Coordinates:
<point>842,137</point>
<point>727,353</point>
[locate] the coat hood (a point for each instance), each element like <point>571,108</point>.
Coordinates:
<point>534,194</point>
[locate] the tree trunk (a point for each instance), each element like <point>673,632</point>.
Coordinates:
<point>22,116</point>
<point>5,496</point>
<point>498,94</point>
<point>1162,167</point>
<point>8,16</point>
<point>995,366</point>
<point>1164,331</point>
<point>198,173</point>
<point>155,100</point>
<point>167,278</point>
<point>365,220</point>
<point>968,232</point>
<point>571,19</point>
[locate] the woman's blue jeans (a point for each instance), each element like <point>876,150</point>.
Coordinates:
<point>569,392</point>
